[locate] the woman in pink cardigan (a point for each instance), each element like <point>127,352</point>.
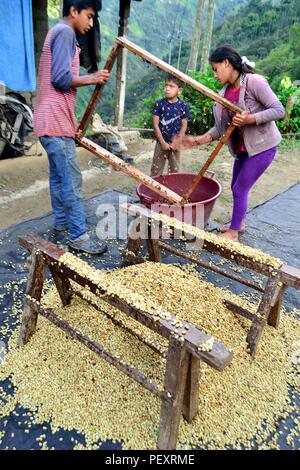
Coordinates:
<point>254,141</point>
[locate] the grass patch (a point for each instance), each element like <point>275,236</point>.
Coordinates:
<point>292,142</point>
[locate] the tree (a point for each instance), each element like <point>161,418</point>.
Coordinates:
<point>196,36</point>
<point>295,38</point>
<point>208,35</point>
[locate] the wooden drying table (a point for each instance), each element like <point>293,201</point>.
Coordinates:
<point>182,373</point>
<point>278,280</point>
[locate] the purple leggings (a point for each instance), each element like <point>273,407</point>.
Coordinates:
<point>246,172</point>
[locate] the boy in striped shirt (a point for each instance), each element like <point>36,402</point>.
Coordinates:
<point>55,122</point>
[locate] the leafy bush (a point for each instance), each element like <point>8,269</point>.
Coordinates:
<point>200,105</point>
<point>144,112</point>
<point>289,96</point>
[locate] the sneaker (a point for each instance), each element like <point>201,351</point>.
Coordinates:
<point>60,228</point>
<point>128,159</point>
<point>58,235</point>
<point>88,246</point>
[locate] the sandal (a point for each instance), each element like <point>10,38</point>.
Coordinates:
<point>224,228</point>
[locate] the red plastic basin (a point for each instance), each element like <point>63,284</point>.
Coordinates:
<point>202,198</point>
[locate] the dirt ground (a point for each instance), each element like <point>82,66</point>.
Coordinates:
<point>24,190</point>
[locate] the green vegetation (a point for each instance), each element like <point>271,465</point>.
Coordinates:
<point>289,96</point>
<point>267,31</point>
<point>200,105</point>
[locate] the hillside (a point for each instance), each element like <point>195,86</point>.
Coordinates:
<point>151,24</point>
<point>267,31</point>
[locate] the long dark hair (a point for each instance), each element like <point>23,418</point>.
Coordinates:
<point>228,52</point>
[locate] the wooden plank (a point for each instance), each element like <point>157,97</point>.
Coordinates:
<point>219,357</point>
<point>191,393</point>
<point>62,285</point>
<point>32,242</point>
<point>130,170</point>
<point>154,250</point>
<point>208,162</point>
<point>239,310</point>
<point>254,335</point>
<point>34,289</point>
<point>274,315</point>
<point>118,323</point>
<point>124,42</point>
<point>263,312</point>
<point>133,242</point>
<point>239,258</point>
<point>290,276</point>
<point>96,93</point>
<point>174,384</point>
<point>204,264</point>
<point>133,245</point>
<point>129,255</point>
<point>97,348</point>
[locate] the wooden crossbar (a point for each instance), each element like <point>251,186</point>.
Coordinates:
<point>169,196</point>
<point>130,170</point>
<point>152,59</point>
<point>268,311</point>
<point>124,42</point>
<point>208,162</point>
<point>181,382</point>
<point>97,93</point>
<point>210,242</point>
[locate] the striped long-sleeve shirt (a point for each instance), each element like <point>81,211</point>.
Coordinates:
<point>55,102</point>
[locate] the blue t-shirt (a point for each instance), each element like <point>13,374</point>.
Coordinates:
<point>170,116</point>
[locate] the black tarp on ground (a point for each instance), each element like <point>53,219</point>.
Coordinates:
<point>273,227</point>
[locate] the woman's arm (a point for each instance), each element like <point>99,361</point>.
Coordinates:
<point>184,124</point>
<point>189,141</point>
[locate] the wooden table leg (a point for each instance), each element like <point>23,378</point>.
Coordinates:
<point>35,284</point>
<point>154,250</point>
<point>191,393</point>
<point>175,380</point>
<point>130,254</point>
<point>274,315</point>
<point>63,286</point>
<point>254,335</point>
<point>263,313</point>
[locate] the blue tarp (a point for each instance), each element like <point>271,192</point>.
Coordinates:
<point>17,69</point>
<point>273,226</point>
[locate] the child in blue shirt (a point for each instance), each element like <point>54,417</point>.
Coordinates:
<point>170,117</point>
